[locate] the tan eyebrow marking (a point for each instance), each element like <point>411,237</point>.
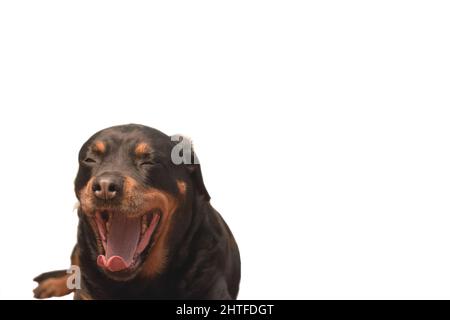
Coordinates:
<point>99,146</point>
<point>141,149</point>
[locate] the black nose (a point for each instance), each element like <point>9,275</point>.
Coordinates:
<point>106,187</point>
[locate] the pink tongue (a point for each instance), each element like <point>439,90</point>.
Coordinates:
<point>121,244</point>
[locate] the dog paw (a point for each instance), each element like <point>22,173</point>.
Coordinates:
<point>51,287</point>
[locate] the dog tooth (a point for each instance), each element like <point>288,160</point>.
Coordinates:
<point>144,224</point>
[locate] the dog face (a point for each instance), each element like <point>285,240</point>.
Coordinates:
<point>133,196</point>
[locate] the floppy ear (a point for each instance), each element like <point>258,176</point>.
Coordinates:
<point>183,154</point>
<point>197,178</point>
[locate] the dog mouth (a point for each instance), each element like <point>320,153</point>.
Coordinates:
<point>125,239</point>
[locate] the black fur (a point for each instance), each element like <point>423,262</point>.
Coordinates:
<point>203,259</point>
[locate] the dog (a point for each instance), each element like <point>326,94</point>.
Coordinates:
<point>146,227</point>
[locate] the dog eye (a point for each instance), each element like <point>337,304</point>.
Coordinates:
<point>147,163</point>
<point>89,160</point>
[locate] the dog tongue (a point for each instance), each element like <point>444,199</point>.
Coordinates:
<point>123,238</point>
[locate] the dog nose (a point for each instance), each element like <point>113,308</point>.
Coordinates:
<point>107,187</point>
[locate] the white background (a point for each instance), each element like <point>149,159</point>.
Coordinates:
<point>322,128</point>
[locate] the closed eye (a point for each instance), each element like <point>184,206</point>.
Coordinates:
<point>149,160</point>
<point>89,160</point>
<point>147,163</point>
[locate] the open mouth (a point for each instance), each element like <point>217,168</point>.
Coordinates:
<point>124,238</point>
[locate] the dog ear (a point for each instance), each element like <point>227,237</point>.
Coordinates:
<point>183,154</point>
<point>197,178</point>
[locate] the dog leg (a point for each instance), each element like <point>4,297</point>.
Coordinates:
<point>51,284</point>
<point>54,283</point>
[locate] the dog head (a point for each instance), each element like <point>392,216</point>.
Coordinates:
<point>135,196</point>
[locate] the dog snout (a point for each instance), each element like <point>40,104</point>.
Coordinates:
<point>107,186</point>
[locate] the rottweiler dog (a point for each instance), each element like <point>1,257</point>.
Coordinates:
<point>146,227</point>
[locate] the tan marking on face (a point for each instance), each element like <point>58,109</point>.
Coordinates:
<point>86,198</point>
<point>129,185</point>
<point>87,208</point>
<point>98,240</point>
<point>181,187</point>
<point>156,261</point>
<point>133,200</point>
<point>99,146</point>
<point>141,149</point>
